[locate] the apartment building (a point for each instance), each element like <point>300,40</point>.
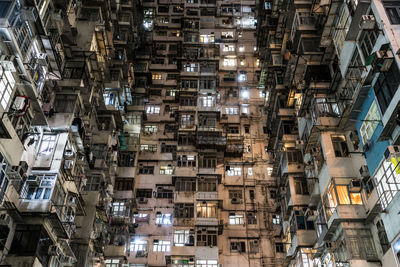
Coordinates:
<point>331,73</point>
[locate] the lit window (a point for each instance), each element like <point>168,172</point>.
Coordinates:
<point>227,35</point>
<point>276,219</point>
<point>119,209</point>
<point>231,110</point>
<point>235,219</point>
<point>163,219</point>
<point>229,48</point>
<point>229,62</point>
<point>342,195</point>
<point>138,245</point>
<point>241,48</point>
<point>250,171</point>
<point>262,94</point>
<point>269,171</point>
<point>166,170</point>
<point>161,245</point>
<point>157,76</point>
<point>206,210</point>
<point>207,101</point>
<point>245,93</point>
<point>150,128</point>
<point>242,62</point>
<point>242,77</point>
<point>47,145</point>
<point>207,38</point>
<point>7,83</point>
<point>148,148</point>
<point>245,109</point>
<point>153,109</point>
<point>386,180</point>
<point>234,171</point>
<point>112,263</point>
<point>206,263</point>
<point>370,123</point>
<point>183,238</point>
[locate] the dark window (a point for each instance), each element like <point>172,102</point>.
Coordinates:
<point>207,185</point>
<point>146,169</point>
<point>183,210</point>
<point>123,184</point>
<point>238,246</point>
<point>300,186</point>
<point>279,247</point>
<point>233,130</point>
<point>367,41</point>
<point>251,218</point>
<point>164,193</point>
<point>340,145</point>
<point>145,193</point>
<point>126,159</point>
<point>247,128</point>
<point>206,237</point>
<point>168,148</point>
<point>383,239</point>
<point>186,161</point>
<point>182,184</point>
<point>392,9</point>
<point>386,86</point>
<point>3,131</point>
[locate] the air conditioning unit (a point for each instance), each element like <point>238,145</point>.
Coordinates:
<point>391,151</point>
<point>235,200</point>
<point>33,179</point>
<point>355,186</point>
<point>367,22</point>
<point>364,171</point>
<point>311,215</point>
<point>29,13</point>
<point>54,250</point>
<point>385,59</point>
<point>7,63</point>
<point>143,200</point>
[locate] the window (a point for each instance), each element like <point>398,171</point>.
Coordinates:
<point>119,209</point>
<point>233,130</point>
<point>227,35</point>
<point>242,77</point>
<point>249,170</point>
<point>235,194</point>
<point>167,170</point>
<point>148,148</point>
<point>207,184</point>
<point>47,145</point>
<point>340,145</point>
<point>26,239</point>
<point>157,76</point>
<point>206,263</point>
<point>367,42</point>
<point>7,83</point>
<point>245,109</point>
<point>300,186</point>
<point>161,245</point>
<point>150,129</point>
<point>186,161</point>
<point>123,184</point>
<point>207,38</point>
<point>299,222</point>
<point>164,193</point>
<point>183,238</point>
<point>244,93</point>
<point>164,219</point>
<point>386,86</point>
<point>207,101</point>
<point>153,109</point>
<point>112,263</point>
<point>171,92</point>
<point>235,219</point>
<point>370,123</point>
<point>229,48</point>
<point>145,193</point>
<point>229,62</point>
<point>126,159</point>
<point>184,210</point>
<point>40,191</point>
<point>92,183</point>
<point>386,180</point>
<point>238,246</point>
<point>190,67</point>
<point>251,218</point>
<point>383,239</point>
<point>137,245</point>
<point>206,237</point>
<point>234,171</point>
<point>241,48</point>
<point>360,244</point>
<point>254,246</point>
<point>231,110</point>
<point>392,9</point>
<point>182,263</point>
<point>206,210</point>
<point>279,247</point>
<point>185,184</point>
<point>342,28</point>
<point>141,217</point>
<point>167,148</point>
<point>340,194</point>
<point>276,219</point>
<point>187,120</point>
<point>146,169</point>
